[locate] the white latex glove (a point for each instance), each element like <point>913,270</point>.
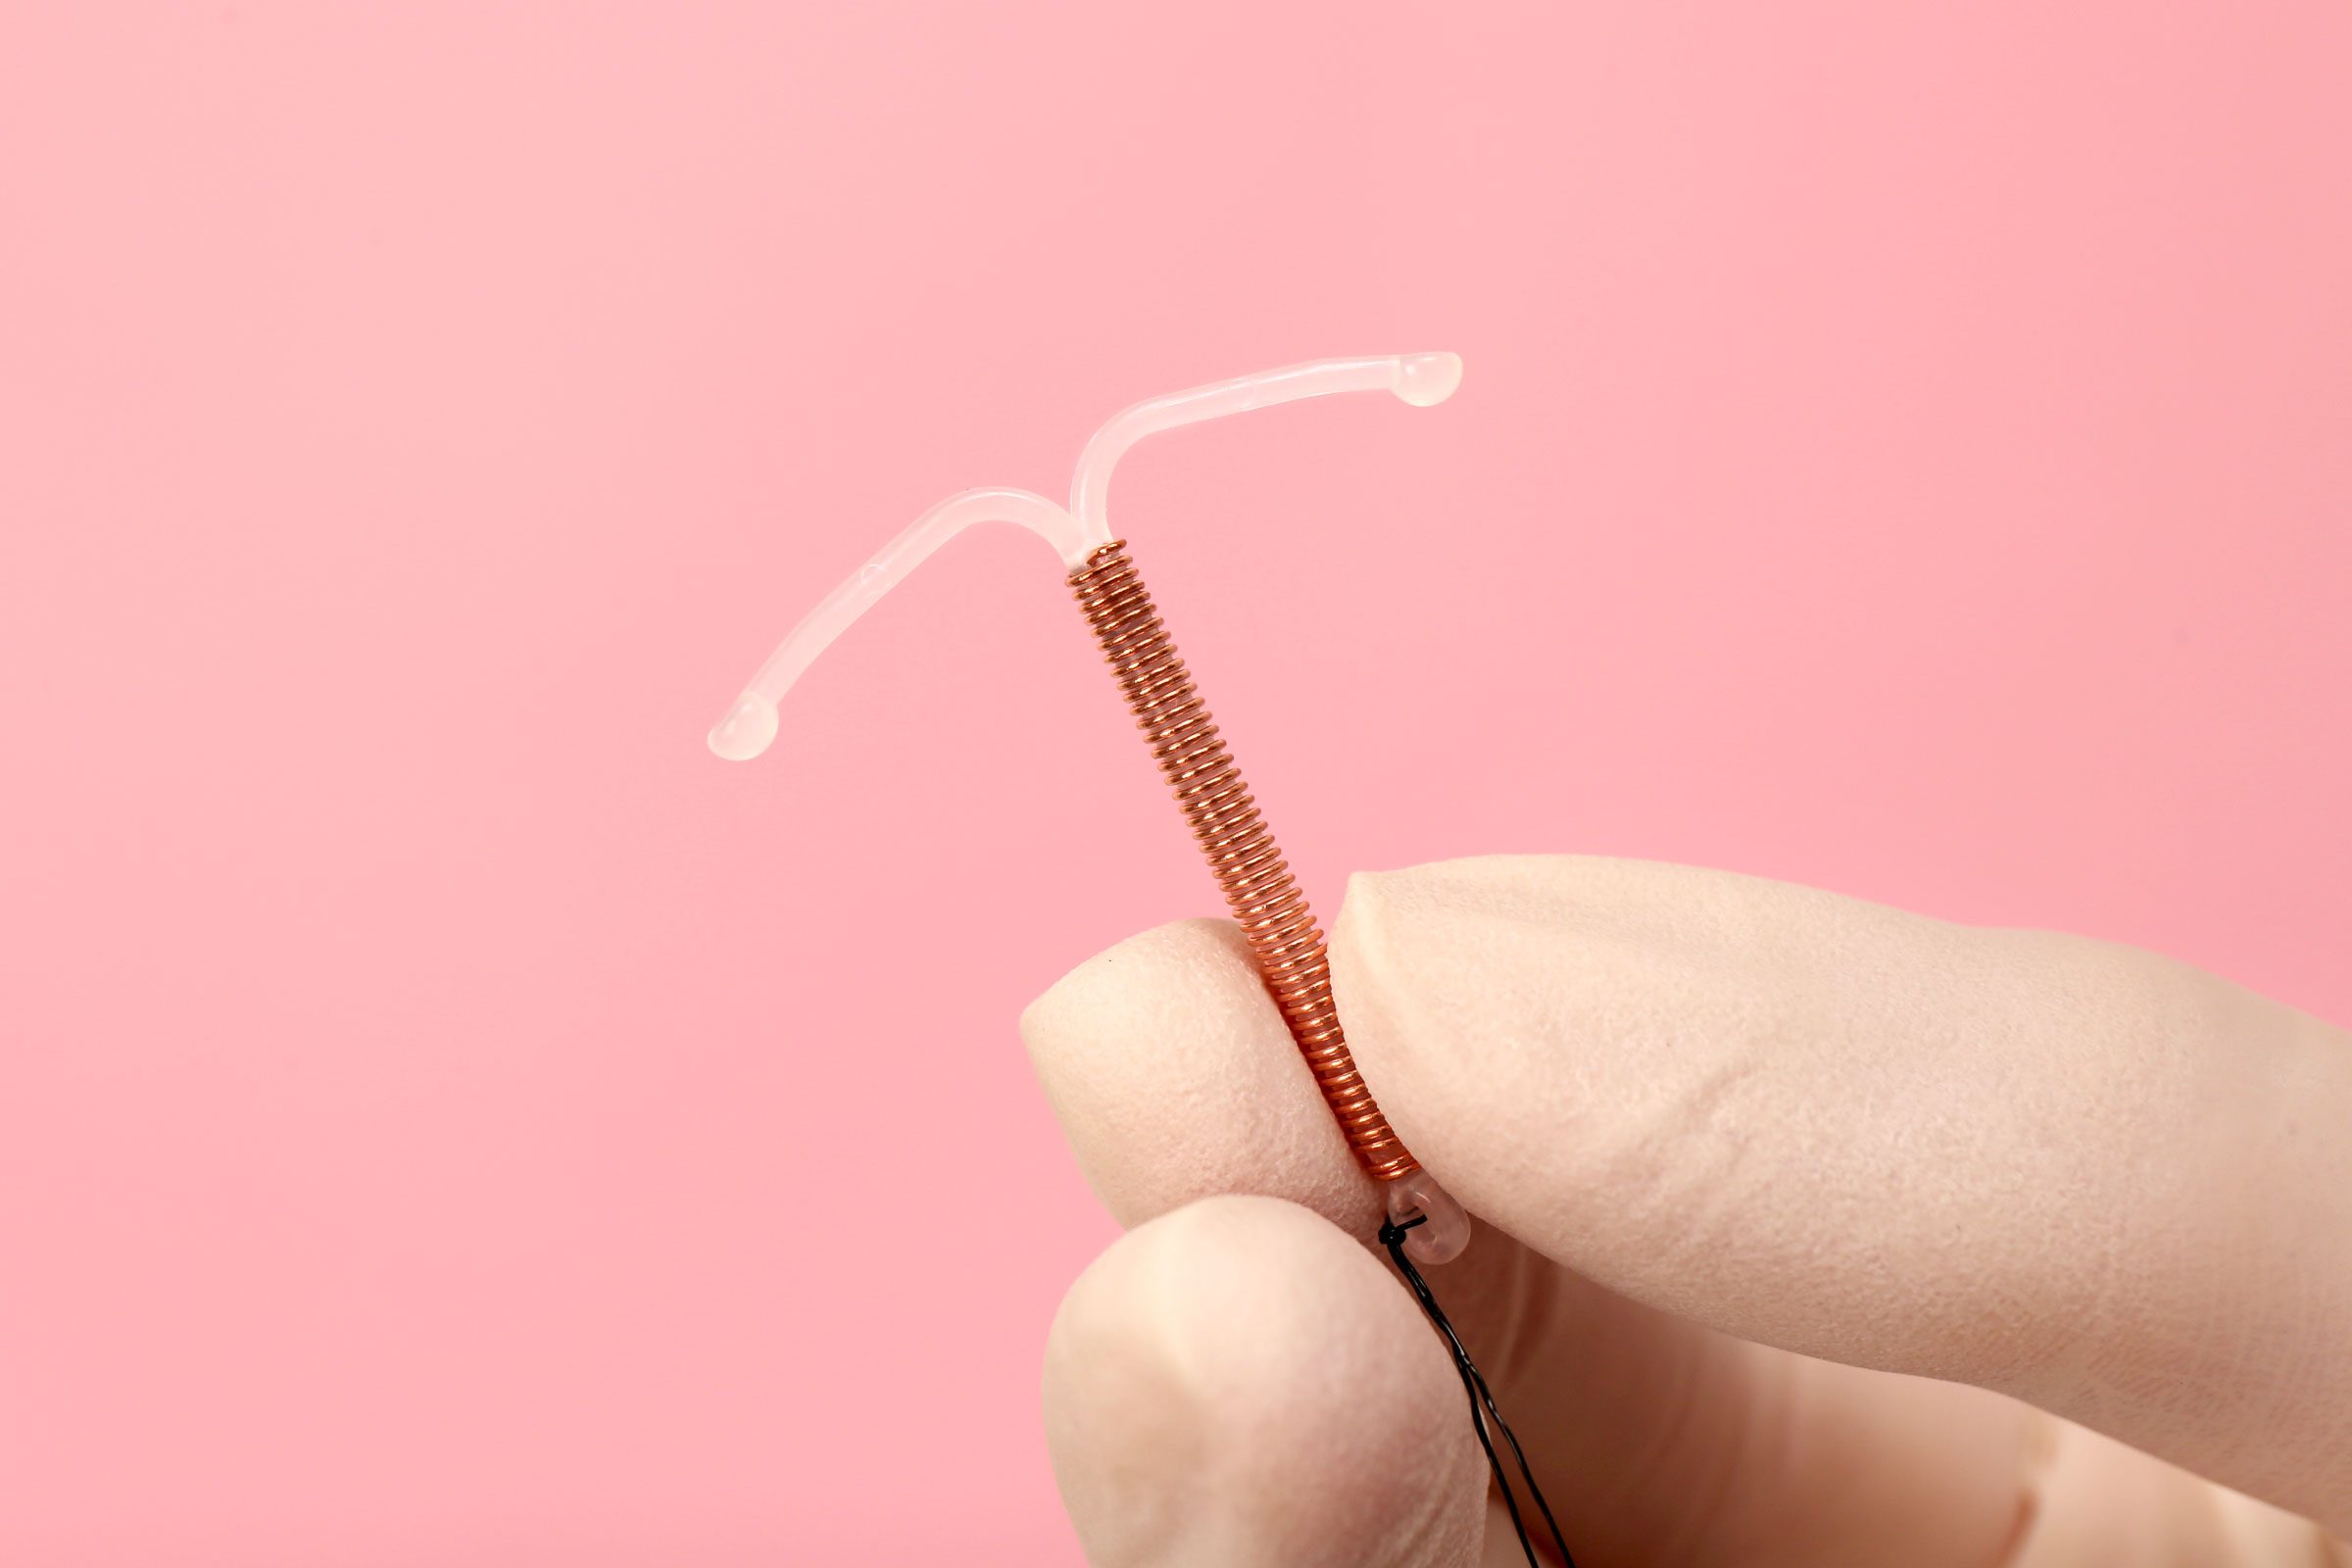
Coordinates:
<point>1746,1154</point>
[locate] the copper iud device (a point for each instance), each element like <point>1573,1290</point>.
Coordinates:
<point>1265,898</point>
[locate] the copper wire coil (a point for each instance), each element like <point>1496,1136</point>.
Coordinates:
<point>1257,884</point>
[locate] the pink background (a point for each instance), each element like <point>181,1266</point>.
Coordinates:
<point>448,1117</point>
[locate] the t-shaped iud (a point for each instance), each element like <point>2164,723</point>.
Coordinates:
<point>1264,896</point>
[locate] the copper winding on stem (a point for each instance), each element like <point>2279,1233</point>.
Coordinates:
<point>1257,884</point>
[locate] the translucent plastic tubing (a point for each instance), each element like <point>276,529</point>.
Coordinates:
<point>749,725</point>
<point>1421,380</point>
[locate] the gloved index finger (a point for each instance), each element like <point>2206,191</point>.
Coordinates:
<point>2094,1178</point>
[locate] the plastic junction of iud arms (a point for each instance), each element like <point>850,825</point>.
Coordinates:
<point>1082,537</point>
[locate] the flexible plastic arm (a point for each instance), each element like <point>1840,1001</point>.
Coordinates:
<point>1421,380</point>
<point>752,722</point>
<point>749,725</point>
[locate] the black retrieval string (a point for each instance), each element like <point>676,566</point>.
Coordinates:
<point>1482,1398</point>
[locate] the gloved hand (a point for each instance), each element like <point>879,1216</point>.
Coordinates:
<point>1812,1232</point>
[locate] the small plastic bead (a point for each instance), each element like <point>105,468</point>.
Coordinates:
<point>1443,1233</point>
